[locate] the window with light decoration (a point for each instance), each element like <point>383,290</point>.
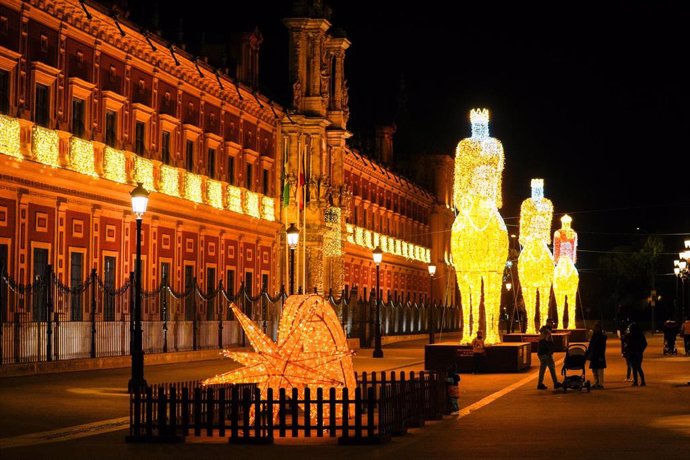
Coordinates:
<point>211,165</point>
<point>4,92</point>
<point>139,138</point>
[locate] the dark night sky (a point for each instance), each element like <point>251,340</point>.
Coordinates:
<point>594,100</point>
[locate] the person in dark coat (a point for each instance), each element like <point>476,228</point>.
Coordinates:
<point>597,355</point>
<point>545,354</point>
<point>635,346</point>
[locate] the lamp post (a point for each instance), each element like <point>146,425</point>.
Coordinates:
<point>378,352</point>
<point>140,198</point>
<point>292,240</point>
<point>432,272</point>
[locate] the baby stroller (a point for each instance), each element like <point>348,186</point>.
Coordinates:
<point>670,331</point>
<point>575,360</point>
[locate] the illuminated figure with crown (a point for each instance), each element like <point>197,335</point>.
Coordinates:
<point>565,278</point>
<point>535,265</point>
<point>479,240</point>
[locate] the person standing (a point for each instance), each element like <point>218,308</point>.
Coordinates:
<point>685,332</point>
<point>545,354</point>
<point>597,356</point>
<point>635,346</point>
<point>478,352</point>
<point>624,331</point>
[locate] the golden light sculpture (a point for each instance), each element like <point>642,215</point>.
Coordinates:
<point>311,351</point>
<point>565,278</point>
<point>479,239</point>
<point>535,264</point>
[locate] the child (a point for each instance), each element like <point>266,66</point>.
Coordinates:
<point>452,383</point>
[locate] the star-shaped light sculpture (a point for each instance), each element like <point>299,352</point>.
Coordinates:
<point>311,351</point>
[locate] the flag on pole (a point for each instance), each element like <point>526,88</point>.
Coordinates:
<point>284,176</point>
<point>301,189</point>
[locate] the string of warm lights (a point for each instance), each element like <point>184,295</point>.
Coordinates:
<point>479,239</point>
<point>268,208</point>
<point>214,191</point>
<point>143,172</point>
<point>234,199</point>
<point>535,267</point>
<point>251,204</point>
<point>366,238</point>
<point>566,278</point>
<point>192,187</point>
<point>10,137</point>
<point>114,167</point>
<point>170,180</point>
<point>45,146</point>
<point>81,157</point>
<point>311,352</point>
<point>332,239</point>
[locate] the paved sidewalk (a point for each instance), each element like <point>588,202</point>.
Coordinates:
<point>503,416</point>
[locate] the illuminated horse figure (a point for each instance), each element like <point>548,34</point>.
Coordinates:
<point>479,241</point>
<point>565,278</point>
<point>535,265</point>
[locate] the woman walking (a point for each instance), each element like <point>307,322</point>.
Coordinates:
<point>597,356</point>
<point>545,354</point>
<point>635,346</point>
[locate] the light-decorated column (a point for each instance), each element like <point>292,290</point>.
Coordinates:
<point>479,239</point>
<point>566,278</point>
<point>535,264</point>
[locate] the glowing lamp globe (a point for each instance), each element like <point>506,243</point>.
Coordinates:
<point>140,199</point>
<point>292,236</point>
<point>432,270</point>
<point>377,255</point>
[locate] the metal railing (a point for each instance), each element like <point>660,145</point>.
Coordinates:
<point>47,320</point>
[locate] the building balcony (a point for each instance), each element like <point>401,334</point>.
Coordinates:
<point>363,237</point>
<point>23,140</point>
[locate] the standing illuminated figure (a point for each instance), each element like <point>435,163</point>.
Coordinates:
<point>565,278</point>
<point>479,241</point>
<point>535,265</point>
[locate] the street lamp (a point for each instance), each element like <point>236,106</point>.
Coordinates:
<point>292,240</point>
<point>432,272</point>
<point>140,198</point>
<point>378,257</point>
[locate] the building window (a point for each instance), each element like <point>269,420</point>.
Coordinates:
<point>76,276</point>
<point>110,128</point>
<point>211,166</point>
<point>230,290</point>
<point>355,216</point>
<point>266,182</point>
<point>4,92</point>
<point>78,117</point>
<point>165,148</point>
<point>189,156</point>
<point>42,106</point>
<point>250,170</point>
<point>231,170</point>
<point>139,139</point>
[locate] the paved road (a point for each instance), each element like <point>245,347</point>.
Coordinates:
<point>503,416</point>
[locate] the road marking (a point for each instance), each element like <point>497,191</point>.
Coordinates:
<point>465,411</point>
<point>66,434</point>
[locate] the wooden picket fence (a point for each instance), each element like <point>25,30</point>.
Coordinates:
<point>383,405</point>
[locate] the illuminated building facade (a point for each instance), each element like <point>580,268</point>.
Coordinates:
<point>90,106</point>
<point>348,203</point>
